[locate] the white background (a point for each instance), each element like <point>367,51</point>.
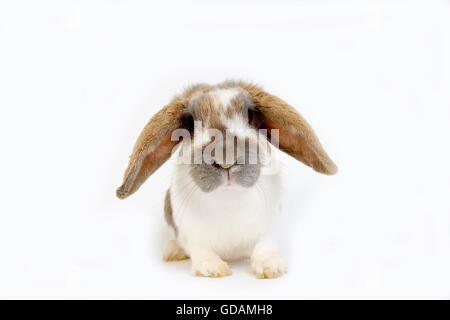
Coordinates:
<point>79,80</point>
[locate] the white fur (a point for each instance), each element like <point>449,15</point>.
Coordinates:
<point>238,126</point>
<point>230,222</point>
<point>224,96</point>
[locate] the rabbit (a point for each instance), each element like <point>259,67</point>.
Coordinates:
<point>220,205</point>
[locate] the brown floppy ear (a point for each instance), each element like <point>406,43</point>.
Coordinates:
<point>153,147</point>
<point>296,137</point>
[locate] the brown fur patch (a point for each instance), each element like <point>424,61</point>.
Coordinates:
<point>168,213</point>
<point>205,109</point>
<point>236,107</point>
<point>296,136</point>
<point>153,146</point>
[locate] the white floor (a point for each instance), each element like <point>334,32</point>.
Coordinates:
<point>79,80</point>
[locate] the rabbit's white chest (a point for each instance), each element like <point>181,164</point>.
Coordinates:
<point>229,221</point>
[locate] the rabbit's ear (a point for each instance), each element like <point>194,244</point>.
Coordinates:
<point>153,147</point>
<point>296,137</point>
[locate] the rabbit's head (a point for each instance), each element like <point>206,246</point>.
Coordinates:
<point>224,130</point>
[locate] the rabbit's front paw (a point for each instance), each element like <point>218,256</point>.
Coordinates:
<point>173,252</point>
<point>268,265</point>
<point>210,267</point>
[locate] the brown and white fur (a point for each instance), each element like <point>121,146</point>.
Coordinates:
<point>222,208</point>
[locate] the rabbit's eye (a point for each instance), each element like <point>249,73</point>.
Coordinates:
<point>250,115</point>
<point>188,122</point>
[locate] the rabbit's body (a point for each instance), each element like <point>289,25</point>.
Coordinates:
<point>224,197</point>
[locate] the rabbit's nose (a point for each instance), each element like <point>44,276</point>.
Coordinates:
<point>227,165</point>
<point>223,165</point>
